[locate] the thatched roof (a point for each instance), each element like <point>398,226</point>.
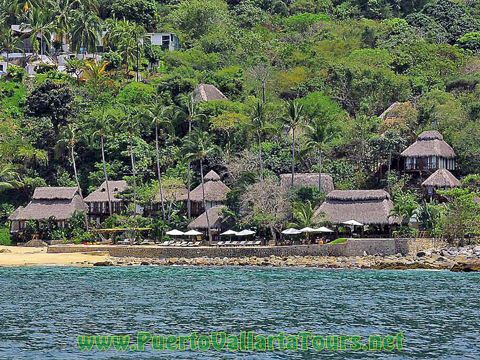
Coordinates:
<point>307,180</point>
<point>100,194</point>
<point>370,207</point>
<point>206,92</point>
<point>215,216</point>
<point>429,143</point>
<point>215,190</point>
<point>212,175</point>
<point>442,178</point>
<point>45,205</point>
<point>53,193</point>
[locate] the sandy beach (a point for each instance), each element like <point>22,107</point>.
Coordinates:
<point>28,256</point>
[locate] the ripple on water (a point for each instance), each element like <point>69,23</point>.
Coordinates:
<point>43,309</point>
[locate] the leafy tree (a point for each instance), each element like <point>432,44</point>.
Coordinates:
<point>52,100</point>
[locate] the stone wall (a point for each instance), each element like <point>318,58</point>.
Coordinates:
<point>353,247</point>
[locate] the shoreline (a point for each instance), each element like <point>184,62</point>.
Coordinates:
<point>452,259</point>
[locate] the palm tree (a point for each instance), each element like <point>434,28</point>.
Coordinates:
<point>198,146</point>
<point>318,135</point>
<point>8,43</point>
<point>192,116</point>
<point>130,125</point>
<point>9,178</point>
<point>40,25</point>
<point>259,124</point>
<point>85,31</point>
<point>159,116</point>
<point>125,37</point>
<point>63,17</point>
<point>69,137</point>
<point>294,119</point>
<point>102,124</point>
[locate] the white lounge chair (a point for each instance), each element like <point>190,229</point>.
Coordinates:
<point>242,243</point>
<point>197,243</point>
<point>220,243</point>
<point>258,243</point>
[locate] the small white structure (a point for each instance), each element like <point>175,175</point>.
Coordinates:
<point>168,41</point>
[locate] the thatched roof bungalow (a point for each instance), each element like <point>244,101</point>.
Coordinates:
<point>307,180</point>
<point>206,92</point>
<point>369,207</point>
<point>215,193</point>
<point>58,203</point>
<point>215,216</point>
<point>429,153</point>
<point>440,179</point>
<point>97,201</point>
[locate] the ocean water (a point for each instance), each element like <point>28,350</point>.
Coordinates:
<point>42,310</point>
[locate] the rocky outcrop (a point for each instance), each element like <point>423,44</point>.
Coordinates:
<point>455,259</point>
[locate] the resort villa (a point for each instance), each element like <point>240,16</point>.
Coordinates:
<point>97,201</point>
<point>440,180</point>
<point>57,50</point>
<point>206,92</point>
<point>48,203</point>
<point>368,207</point>
<point>215,194</point>
<point>215,217</point>
<point>429,154</point>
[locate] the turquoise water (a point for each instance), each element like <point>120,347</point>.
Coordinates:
<point>43,309</point>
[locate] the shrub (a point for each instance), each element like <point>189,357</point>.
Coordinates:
<point>5,236</point>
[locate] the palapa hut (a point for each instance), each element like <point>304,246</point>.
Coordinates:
<point>215,217</point>
<point>307,180</point>
<point>215,193</point>
<point>54,203</point>
<point>97,201</point>
<point>206,92</point>
<point>429,153</point>
<point>369,207</point>
<point>440,179</point>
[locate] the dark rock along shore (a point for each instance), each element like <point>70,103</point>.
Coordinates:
<point>455,259</point>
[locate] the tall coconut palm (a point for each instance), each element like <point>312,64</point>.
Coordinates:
<point>192,115</point>
<point>259,124</point>
<point>103,127</point>
<point>160,116</point>
<point>198,146</point>
<point>62,21</point>
<point>85,31</point>
<point>40,26</point>
<point>131,127</point>
<point>318,136</point>
<point>69,138</point>
<point>293,120</point>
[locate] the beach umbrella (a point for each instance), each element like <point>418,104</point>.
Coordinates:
<point>246,233</point>
<point>307,230</point>
<point>323,229</point>
<point>291,231</point>
<point>229,232</point>
<point>193,233</point>
<point>175,232</point>
<point>353,223</point>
